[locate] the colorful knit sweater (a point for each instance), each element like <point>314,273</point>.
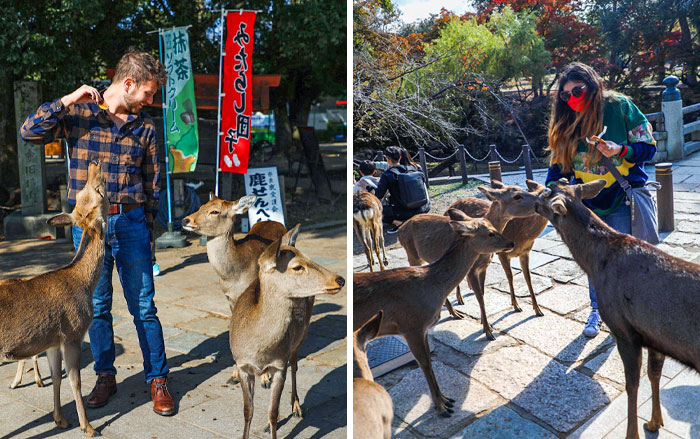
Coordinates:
<point>627,126</point>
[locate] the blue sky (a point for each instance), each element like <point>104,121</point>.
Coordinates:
<point>414,10</point>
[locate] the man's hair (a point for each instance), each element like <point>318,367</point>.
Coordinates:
<point>141,67</point>
<point>367,167</point>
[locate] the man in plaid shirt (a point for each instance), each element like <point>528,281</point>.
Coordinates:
<point>113,130</point>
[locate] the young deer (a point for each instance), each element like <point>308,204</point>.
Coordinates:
<point>645,296</point>
<point>372,408</point>
<point>506,203</point>
<point>411,297</point>
<point>52,312</point>
<point>367,222</point>
<point>270,319</point>
<point>20,371</point>
<point>235,261</point>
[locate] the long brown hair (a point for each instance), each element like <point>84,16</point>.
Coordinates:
<point>567,127</point>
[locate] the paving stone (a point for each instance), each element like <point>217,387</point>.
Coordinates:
<point>561,270</point>
<point>560,397</point>
<point>554,335</point>
<point>688,226</point>
<point>175,315</point>
<point>686,206</point>
<point>561,250</point>
<point>494,301</point>
<point>199,345</point>
<point>335,356</point>
<point>620,432</point>
<point>216,304</point>
<point>467,336</point>
<point>412,403</point>
<point>495,274</point>
<point>539,284</point>
<point>541,244</point>
<point>581,280</point>
<point>504,423</point>
<point>211,326</point>
<point>564,299</point>
<point>608,364</point>
<point>678,252</point>
<point>679,402</point>
<point>536,259</point>
<point>672,368</point>
<point>676,238</point>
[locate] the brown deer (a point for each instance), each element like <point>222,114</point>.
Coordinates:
<point>20,371</point>
<point>270,319</point>
<point>645,296</point>
<point>52,311</point>
<point>411,297</point>
<point>372,408</point>
<point>367,222</point>
<point>506,203</point>
<point>235,261</point>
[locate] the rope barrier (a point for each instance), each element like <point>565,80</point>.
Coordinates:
<point>441,159</point>
<point>474,158</point>
<point>507,161</point>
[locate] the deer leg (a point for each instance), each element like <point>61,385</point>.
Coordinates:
<point>37,375</point>
<point>278,379</point>
<point>55,357</point>
<point>505,263</point>
<point>655,364</point>
<point>380,235</point>
<point>479,293</point>
<point>525,266</point>
<point>71,352</point>
<point>417,343</point>
<point>631,354</point>
<point>235,379</point>
<point>18,376</point>
<point>296,406</point>
<point>458,293</point>
<point>377,235</point>
<point>248,388</point>
<point>455,313</point>
<point>360,232</point>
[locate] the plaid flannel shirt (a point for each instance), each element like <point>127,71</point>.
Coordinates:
<point>128,155</point>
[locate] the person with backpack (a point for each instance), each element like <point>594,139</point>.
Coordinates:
<point>408,194</point>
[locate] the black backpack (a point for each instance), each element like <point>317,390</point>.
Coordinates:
<point>412,191</point>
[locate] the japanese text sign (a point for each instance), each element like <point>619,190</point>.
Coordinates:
<point>237,103</point>
<point>264,183</point>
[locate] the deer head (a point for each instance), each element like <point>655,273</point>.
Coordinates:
<point>557,199</point>
<point>284,268</point>
<point>90,205</point>
<point>217,216</point>
<point>515,201</point>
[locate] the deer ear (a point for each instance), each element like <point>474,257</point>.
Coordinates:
<point>463,228</point>
<point>268,259</point>
<point>100,226</point>
<point>290,238</point>
<point>589,190</point>
<point>490,193</point>
<point>212,196</point>
<point>559,207</point>
<point>533,186</point>
<point>457,215</point>
<point>497,184</point>
<point>245,203</point>
<point>61,220</point>
<point>369,330</point>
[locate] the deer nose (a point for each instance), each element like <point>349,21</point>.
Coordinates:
<point>185,221</point>
<point>340,281</point>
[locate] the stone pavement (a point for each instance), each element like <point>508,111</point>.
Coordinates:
<point>541,378</point>
<point>194,314</point>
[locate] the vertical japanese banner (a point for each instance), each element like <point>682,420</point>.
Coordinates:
<point>181,111</point>
<point>265,183</point>
<point>237,103</point>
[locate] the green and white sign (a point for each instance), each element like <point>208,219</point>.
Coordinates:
<point>181,111</point>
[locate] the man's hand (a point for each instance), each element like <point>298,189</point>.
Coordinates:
<point>607,147</point>
<point>84,94</point>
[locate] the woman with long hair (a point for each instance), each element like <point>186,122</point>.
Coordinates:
<point>583,109</point>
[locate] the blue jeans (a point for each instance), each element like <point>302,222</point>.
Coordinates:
<point>621,221</point>
<point>127,244</point>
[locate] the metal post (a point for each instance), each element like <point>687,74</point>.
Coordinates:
<point>664,175</point>
<point>463,163</point>
<point>218,99</point>
<point>526,161</point>
<point>492,152</point>
<point>495,171</point>
<point>421,154</point>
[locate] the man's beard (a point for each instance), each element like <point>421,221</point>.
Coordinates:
<point>131,104</point>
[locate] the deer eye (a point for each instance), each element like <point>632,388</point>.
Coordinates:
<point>492,235</point>
<point>214,212</point>
<point>518,197</point>
<point>298,268</point>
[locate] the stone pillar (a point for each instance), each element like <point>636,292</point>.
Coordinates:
<point>31,157</point>
<point>672,107</point>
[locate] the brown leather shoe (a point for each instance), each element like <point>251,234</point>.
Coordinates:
<point>105,387</point>
<point>163,403</point>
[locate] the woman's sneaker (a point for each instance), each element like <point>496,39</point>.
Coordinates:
<point>392,229</point>
<point>593,325</point>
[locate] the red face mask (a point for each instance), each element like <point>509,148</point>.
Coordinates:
<point>577,103</point>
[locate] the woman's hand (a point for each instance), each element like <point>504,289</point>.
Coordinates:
<point>608,148</point>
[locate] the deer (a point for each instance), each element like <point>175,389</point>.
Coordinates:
<point>20,372</point>
<point>234,261</point>
<point>52,311</point>
<point>269,321</point>
<point>367,222</point>
<point>646,297</point>
<point>372,408</point>
<point>411,297</point>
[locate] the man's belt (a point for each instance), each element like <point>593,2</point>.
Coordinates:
<point>116,209</point>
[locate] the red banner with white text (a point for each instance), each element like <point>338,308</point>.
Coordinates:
<point>237,102</point>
